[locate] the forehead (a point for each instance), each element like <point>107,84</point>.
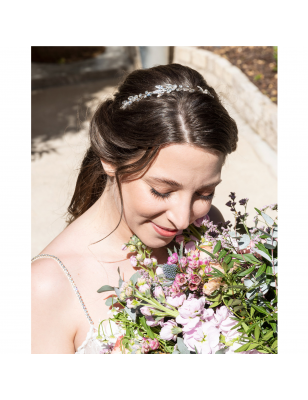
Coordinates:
<point>186,164</point>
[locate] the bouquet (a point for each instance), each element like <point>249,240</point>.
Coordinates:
<point>216,293</point>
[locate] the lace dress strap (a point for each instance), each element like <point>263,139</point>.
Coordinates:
<point>71,282</point>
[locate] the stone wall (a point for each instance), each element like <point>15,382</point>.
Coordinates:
<point>234,86</point>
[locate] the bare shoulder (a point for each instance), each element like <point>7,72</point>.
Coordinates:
<point>52,303</point>
<point>215,215</point>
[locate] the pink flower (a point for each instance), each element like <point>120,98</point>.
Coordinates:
<point>146,311</point>
<point>183,261</point>
<point>133,261</point>
<point>151,321</point>
<point>177,300</point>
<point>144,289</point>
<point>166,333</point>
<point>190,313</point>
<point>224,323</point>
<point>175,289</point>
<point>189,246</point>
<point>181,279</point>
<point>193,264</point>
<point>159,271</point>
<point>159,294</point>
<point>205,337</point>
<point>154,344</point>
<point>173,259</point>
<point>192,286</point>
<point>145,346</point>
<point>195,279</point>
<point>179,238</point>
<point>129,303</point>
<point>148,262</point>
<point>124,247</point>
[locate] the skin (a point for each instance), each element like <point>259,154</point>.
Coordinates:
<point>59,324</point>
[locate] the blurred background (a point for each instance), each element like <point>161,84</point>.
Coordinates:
<point>68,83</point>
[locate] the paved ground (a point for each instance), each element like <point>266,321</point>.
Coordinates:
<point>59,139</point>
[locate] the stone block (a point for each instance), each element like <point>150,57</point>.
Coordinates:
<point>183,54</point>
<point>221,64</point>
<point>199,58</point>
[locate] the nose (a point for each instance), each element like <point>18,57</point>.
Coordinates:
<point>180,213</point>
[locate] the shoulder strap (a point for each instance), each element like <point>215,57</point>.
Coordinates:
<point>70,279</point>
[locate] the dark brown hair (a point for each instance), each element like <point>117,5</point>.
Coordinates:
<point>118,135</point>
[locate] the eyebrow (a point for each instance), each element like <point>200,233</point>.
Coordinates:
<point>178,185</point>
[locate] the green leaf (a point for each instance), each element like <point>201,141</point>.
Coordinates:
<point>261,270</point>
<point>105,288</point>
<point>268,335</point>
<point>238,308</point>
<point>120,279</point>
<point>259,309</point>
<point>253,346</point>
<point>275,344</point>
<point>251,257</point>
<point>257,333</point>
<point>263,351</point>
<point>258,211</point>
<point>247,271</point>
<point>274,326</point>
<point>217,247</point>
<point>222,254</point>
<point>227,259</point>
<point>269,270</point>
<point>245,327</point>
<point>182,346</point>
<point>234,302</point>
<point>225,266</point>
<point>242,348</point>
<point>207,252</point>
<point>215,304</point>
<point>219,273</point>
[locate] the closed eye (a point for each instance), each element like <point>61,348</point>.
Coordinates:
<point>166,195</point>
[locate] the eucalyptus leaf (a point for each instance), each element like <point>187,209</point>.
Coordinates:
<point>135,277</point>
<point>105,288</point>
<point>111,300</point>
<point>120,279</point>
<point>176,352</point>
<point>131,312</point>
<point>244,242</point>
<point>222,351</point>
<point>118,292</point>
<point>262,254</point>
<point>182,346</point>
<point>267,219</point>
<point>275,232</point>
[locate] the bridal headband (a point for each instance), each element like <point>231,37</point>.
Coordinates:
<point>160,91</point>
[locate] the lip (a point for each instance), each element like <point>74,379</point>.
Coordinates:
<point>163,231</point>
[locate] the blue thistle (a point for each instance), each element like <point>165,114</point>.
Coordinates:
<point>170,271</point>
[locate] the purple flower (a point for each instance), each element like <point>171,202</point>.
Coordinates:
<point>243,202</point>
<point>201,221</point>
<point>166,333</point>
<point>173,259</point>
<point>190,246</point>
<point>179,238</point>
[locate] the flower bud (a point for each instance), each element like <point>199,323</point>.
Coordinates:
<point>129,291</point>
<point>159,271</point>
<point>148,262</point>
<point>132,248</point>
<point>159,294</point>
<point>145,289</point>
<point>139,257</point>
<point>133,261</point>
<point>141,281</point>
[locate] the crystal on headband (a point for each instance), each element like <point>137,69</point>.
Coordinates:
<point>160,90</point>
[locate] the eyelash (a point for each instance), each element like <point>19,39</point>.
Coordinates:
<point>166,195</point>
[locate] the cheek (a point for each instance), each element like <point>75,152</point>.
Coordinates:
<point>201,208</point>
<point>139,203</point>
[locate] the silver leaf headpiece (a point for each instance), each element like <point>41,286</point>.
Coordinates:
<point>160,91</point>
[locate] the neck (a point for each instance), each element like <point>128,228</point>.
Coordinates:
<point>100,220</point>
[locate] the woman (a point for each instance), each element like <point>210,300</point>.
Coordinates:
<point>151,170</point>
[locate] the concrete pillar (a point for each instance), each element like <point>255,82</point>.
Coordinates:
<point>154,55</point>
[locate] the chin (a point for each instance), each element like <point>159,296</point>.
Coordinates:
<point>156,243</point>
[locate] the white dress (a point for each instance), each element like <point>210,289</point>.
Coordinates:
<point>91,344</point>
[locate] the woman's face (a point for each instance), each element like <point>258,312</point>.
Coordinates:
<point>176,190</point>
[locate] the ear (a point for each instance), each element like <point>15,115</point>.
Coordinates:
<point>108,168</point>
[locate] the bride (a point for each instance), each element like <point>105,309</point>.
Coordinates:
<point>155,157</point>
